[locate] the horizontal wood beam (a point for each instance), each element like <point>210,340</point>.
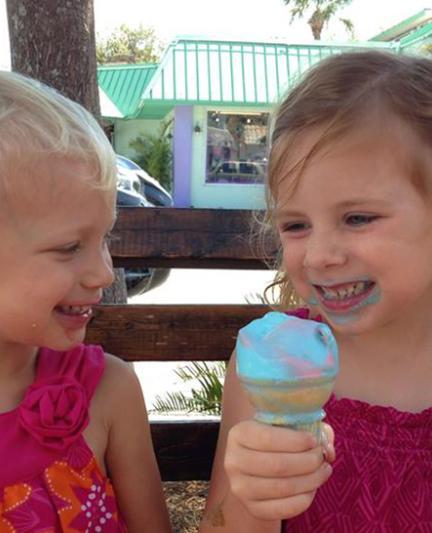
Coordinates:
<point>187,238</point>
<point>170,332</point>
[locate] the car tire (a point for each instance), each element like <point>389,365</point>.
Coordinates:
<point>150,279</point>
<point>158,276</point>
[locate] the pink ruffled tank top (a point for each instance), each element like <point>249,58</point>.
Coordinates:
<point>50,480</point>
<point>382,476</point>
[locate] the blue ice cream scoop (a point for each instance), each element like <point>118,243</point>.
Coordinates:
<point>288,367</point>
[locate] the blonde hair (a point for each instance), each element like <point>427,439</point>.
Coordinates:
<point>341,94</point>
<point>36,121</point>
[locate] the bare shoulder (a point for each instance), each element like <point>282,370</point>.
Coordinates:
<point>117,400</point>
<point>117,386</point>
<point>129,456</point>
<point>118,374</point>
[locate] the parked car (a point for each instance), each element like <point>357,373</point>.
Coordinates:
<point>128,181</point>
<point>136,188</point>
<point>237,172</point>
<point>149,187</point>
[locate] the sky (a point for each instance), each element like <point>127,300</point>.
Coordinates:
<point>251,19</point>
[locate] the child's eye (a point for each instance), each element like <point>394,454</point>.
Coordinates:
<point>359,219</point>
<point>294,227</point>
<point>70,248</point>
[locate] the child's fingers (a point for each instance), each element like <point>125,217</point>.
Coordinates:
<point>259,436</point>
<point>281,509</point>
<point>261,489</point>
<point>273,464</point>
<point>327,437</point>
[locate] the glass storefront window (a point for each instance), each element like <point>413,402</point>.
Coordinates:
<point>236,147</point>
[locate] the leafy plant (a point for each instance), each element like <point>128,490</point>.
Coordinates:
<point>129,45</point>
<point>321,12</point>
<point>154,154</point>
<point>206,398</point>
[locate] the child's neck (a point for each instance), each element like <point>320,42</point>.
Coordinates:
<point>17,371</point>
<point>390,366</point>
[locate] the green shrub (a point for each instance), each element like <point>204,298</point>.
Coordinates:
<point>154,154</point>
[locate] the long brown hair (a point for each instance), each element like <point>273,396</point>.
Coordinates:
<point>337,95</point>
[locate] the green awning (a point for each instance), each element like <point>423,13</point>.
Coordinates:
<point>214,72</point>
<point>206,72</point>
<point>124,85</point>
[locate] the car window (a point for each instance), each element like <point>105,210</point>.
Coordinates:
<point>126,163</point>
<point>247,168</point>
<point>228,168</point>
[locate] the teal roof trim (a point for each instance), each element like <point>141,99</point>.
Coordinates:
<point>416,36</point>
<point>125,84</point>
<point>402,28</point>
<point>226,73</point>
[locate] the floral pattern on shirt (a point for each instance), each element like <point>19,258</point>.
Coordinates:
<point>75,500</point>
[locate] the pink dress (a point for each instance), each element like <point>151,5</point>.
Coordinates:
<point>49,478</point>
<point>382,476</point>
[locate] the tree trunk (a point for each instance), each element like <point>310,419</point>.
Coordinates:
<point>316,23</point>
<point>54,42</point>
<point>116,294</point>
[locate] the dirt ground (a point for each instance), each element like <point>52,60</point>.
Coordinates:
<point>186,501</point>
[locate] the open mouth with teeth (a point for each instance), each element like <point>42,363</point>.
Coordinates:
<point>73,317</point>
<point>74,310</point>
<point>344,296</point>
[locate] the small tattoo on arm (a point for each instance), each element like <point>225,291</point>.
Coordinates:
<point>215,516</point>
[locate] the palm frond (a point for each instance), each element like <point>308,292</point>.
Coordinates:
<point>205,398</point>
<point>196,369</point>
<point>349,26</point>
<point>172,402</point>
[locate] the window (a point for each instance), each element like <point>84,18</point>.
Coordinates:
<point>236,147</point>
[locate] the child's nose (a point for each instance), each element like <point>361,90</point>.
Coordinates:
<point>99,272</point>
<point>324,250</point>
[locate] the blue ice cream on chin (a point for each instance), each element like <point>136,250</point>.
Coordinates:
<point>288,367</point>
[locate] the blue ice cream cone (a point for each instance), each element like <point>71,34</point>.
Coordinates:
<point>288,367</point>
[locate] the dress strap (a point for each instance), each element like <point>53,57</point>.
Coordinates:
<point>304,312</point>
<point>53,413</point>
<point>84,363</point>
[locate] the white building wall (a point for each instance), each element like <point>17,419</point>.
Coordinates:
<point>126,131</point>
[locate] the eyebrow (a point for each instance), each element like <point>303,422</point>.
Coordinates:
<point>347,204</point>
<point>282,213</point>
<point>359,201</point>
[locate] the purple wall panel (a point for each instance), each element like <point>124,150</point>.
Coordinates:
<point>182,155</point>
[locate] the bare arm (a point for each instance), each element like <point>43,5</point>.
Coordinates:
<point>261,474</point>
<point>130,457</point>
<point>224,512</point>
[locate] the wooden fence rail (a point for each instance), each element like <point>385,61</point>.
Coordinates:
<point>179,238</point>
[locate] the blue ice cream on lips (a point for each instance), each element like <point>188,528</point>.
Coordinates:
<point>288,367</point>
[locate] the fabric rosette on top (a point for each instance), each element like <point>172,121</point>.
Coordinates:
<point>55,411</point>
